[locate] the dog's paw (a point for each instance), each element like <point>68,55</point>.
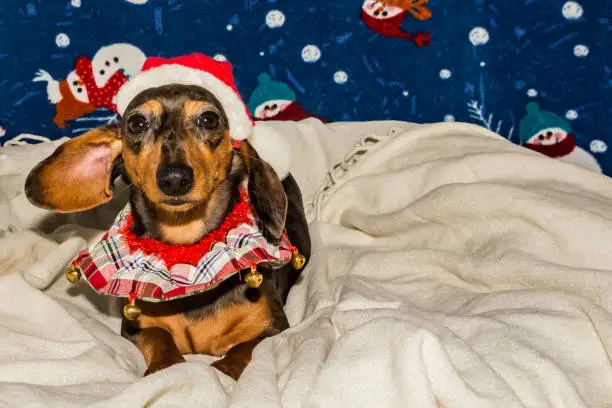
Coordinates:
<point>160,365</point>
<point>231,367</point>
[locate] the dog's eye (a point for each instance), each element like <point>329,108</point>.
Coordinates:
<point>208,120</point>
<point>138,124</point>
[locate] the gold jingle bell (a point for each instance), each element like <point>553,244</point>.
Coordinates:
<point>131,311</point>
<point>254,278</point>
<point>298,260</point>
<point>73,274</point>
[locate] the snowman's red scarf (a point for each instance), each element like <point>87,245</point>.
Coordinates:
<point>390,27</point>
<point>188,254</point>
<point>99,97</point>
<point>563,148</point>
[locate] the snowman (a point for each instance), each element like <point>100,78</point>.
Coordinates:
<point>386,17</point>
<point>116,57</point>
<point>274,100</point>
<point>93,83</point>
<point>551,135</point>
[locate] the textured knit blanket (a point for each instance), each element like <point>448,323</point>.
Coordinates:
<point>536,72</point>
<point>441,277</point>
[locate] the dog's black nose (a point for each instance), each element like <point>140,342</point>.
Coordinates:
<point>175,179</point>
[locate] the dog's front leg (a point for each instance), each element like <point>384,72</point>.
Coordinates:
<point>158,348</point>
<point>237,358</point>
<point>156,345</point>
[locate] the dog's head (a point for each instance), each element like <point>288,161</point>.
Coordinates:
<point>174,144</point>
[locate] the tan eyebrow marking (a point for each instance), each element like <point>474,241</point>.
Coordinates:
<point>192,108</point>
<point>154,106</point>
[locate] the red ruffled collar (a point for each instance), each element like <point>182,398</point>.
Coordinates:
<point>191,254</point>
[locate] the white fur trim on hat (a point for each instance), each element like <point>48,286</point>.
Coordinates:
<point>273,148</point>
<point>240,125</point>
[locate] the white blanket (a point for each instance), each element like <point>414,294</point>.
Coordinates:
<point>450,268</point>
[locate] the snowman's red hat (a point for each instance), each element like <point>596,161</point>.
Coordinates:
<point>194,69</point>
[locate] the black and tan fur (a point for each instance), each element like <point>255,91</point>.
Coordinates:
<point>232,319</point>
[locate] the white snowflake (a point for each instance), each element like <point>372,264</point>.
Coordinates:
<point>340,77</point>
<point>405,93</point>
<point>220,57</point>
<point>62,40</point>
<point>479,36</point>
<point>483,64</point>
<point>572,10</point>
<point>571,114</point>
<point>581,51</point>
<point>229,27</point>
<point>445,74</point>
<point>532,93</point>
<point>449,118</point>
<point>311,53</point>
<point>275,18</point>
<point>75,3</point>
<point>598,146</point>
<point>261,53</point>
<point>137,1</point>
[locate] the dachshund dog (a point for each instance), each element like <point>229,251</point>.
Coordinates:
<point>174,149</point>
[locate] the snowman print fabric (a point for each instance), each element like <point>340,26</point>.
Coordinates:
<point>536,72</point>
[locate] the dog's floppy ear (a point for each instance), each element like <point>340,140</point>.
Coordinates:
<point>266,193</point>
<point>78,175</point>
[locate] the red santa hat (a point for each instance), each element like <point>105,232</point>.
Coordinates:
<point>194,69</point>
<point>216,77</point>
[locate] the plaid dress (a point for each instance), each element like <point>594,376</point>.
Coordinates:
<point>113,267</point>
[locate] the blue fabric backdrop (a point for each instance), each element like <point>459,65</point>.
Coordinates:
<point>487,60</point>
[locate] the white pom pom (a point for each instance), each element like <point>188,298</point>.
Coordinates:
<point>239,132</point>
<point>273,148</point>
